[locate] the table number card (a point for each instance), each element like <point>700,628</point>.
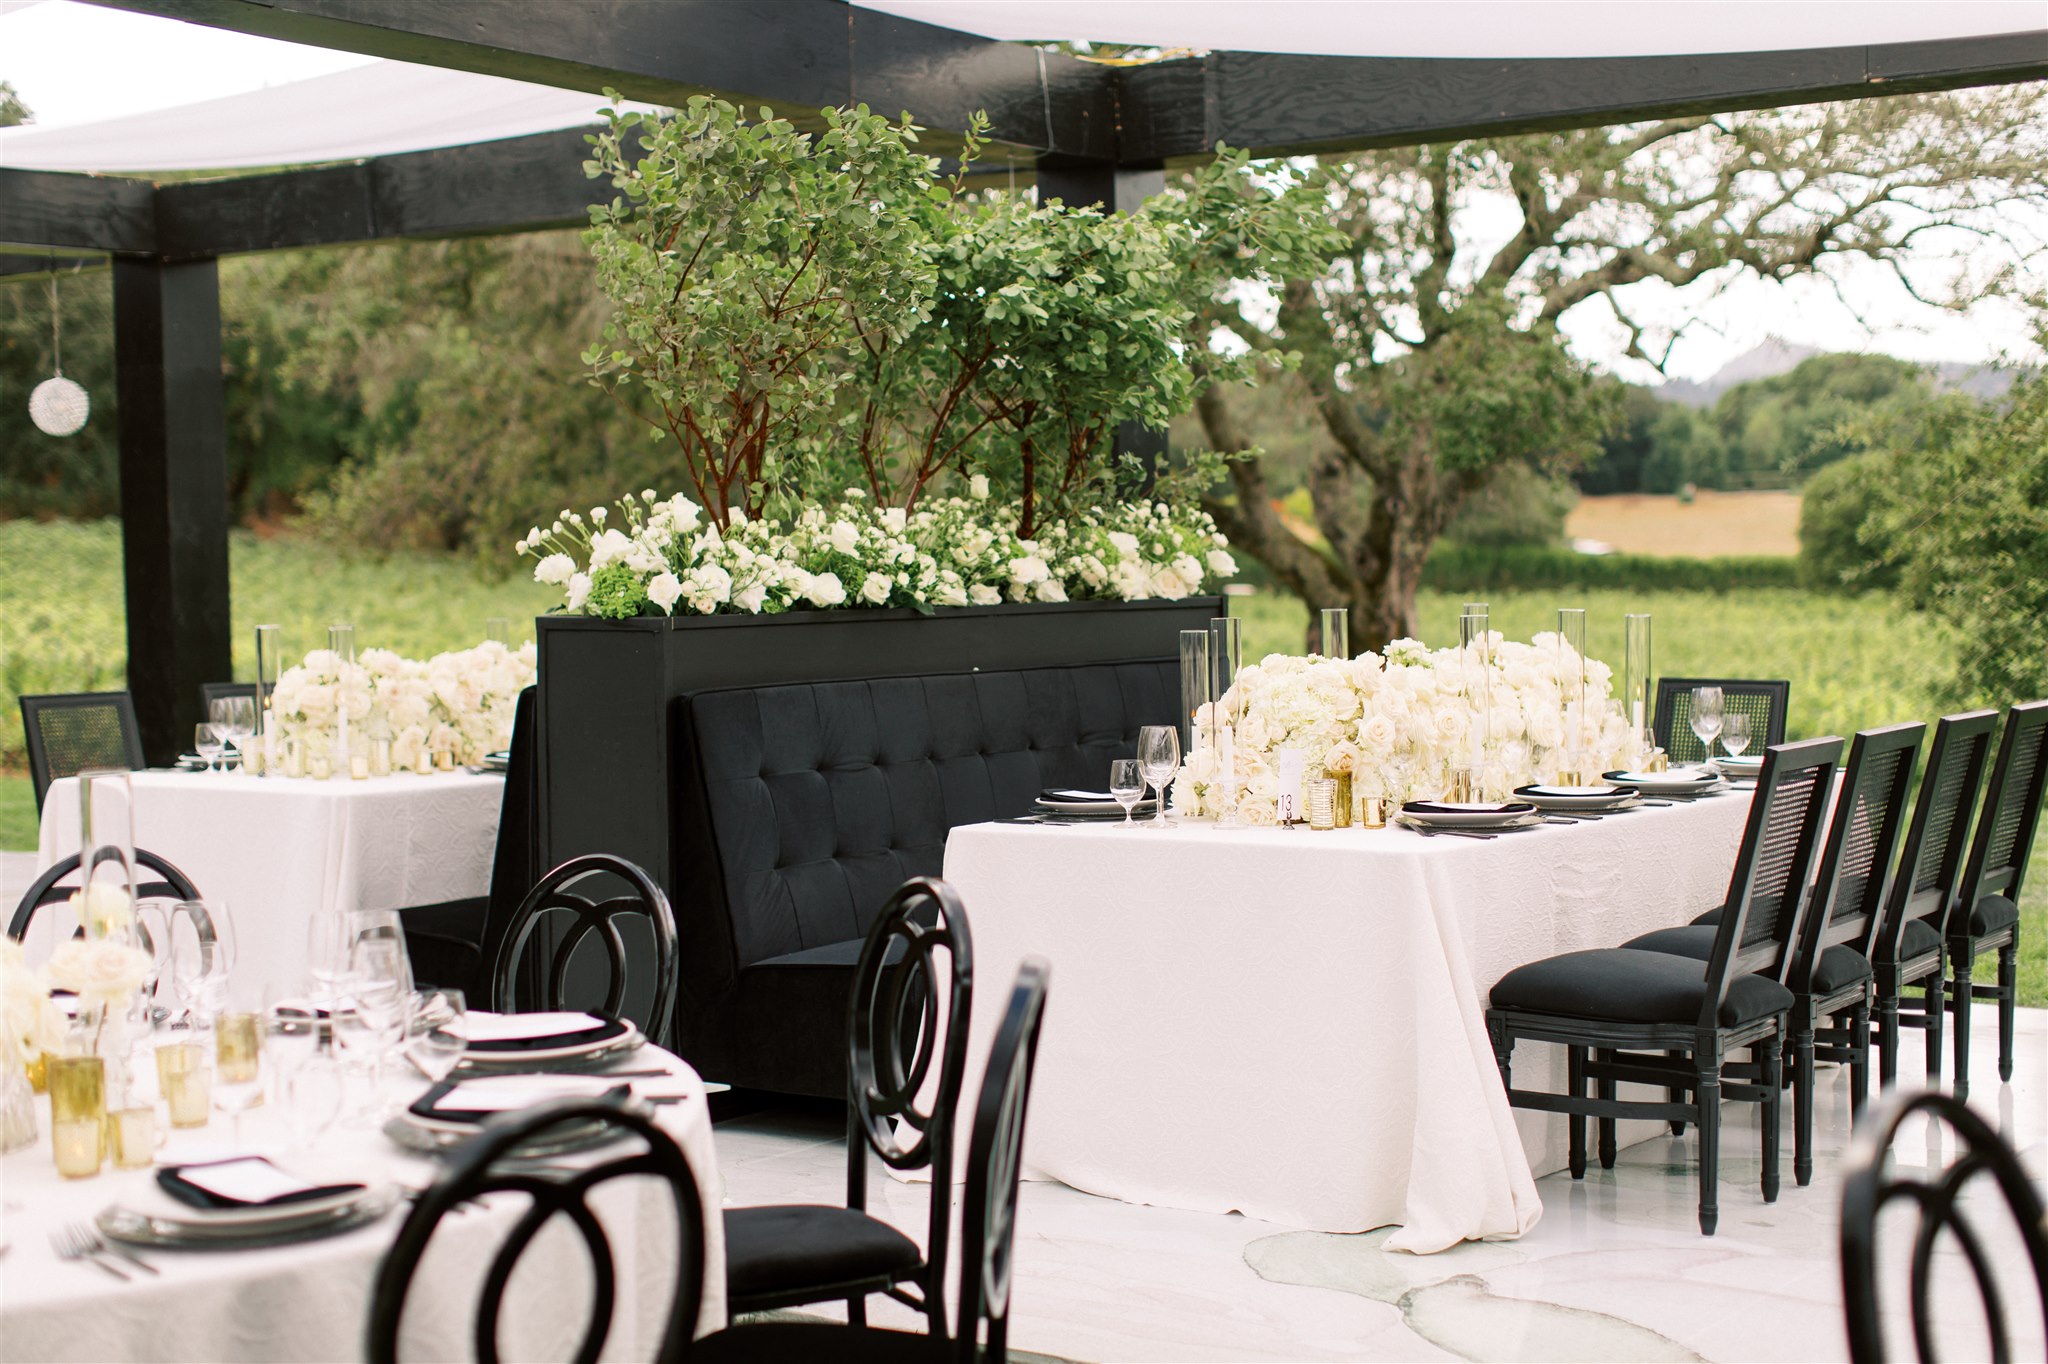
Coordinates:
<point>1289,785</point>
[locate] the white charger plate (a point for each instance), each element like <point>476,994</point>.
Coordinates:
<point>1688,782</point>
<point>228,1228</point>
<point>630,1040</point>
<point>1589,798</point>
<point>1490,815</point>
<point>1094,807</point>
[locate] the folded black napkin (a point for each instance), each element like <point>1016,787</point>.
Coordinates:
<point>1430,807</point>
<point>512,1046</point>
<point>172,1180</point>
<point>435,1104</point>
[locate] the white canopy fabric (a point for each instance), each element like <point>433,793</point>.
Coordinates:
<point>1479,28</point>
<point>370,110</point>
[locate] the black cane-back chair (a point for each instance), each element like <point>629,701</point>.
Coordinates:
<point>479,1167</point>
<point>988,1222</point>
<point>1661,1019</point>
<point>210,692</point>
<point>1763,702</point>
<point>1986,914</point>
<point>907,1019</point>
<point>1830,977</point>
<point>74,733</point>
<point>1955,1209</point>
<point>1908,949</point>
<point>572,889</point>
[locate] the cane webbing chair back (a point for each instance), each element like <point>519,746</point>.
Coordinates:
<point>1763,702</point>
<point>2012,810</point>
<point>1768,892</point>
<point>73,733</point>
<point>1856,866</point>
<point>1932,861</point>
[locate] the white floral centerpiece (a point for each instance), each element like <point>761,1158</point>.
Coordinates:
<point>1400,720</point>
<point>666,557</point>
<point>30,1022</point>
<point>460,702</point>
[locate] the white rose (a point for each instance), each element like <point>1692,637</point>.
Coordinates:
<point>1378,734</point>
<point>1221,564</point>
<point>1050,590</point>
<point>665,591</point>
<point>825,589</point>
<point>843,537</point>
<point>579,590</point>
<point>101,969</point>
<point>751,597</point>
<point>876,588</point>
<point>1126,543</point>
<point>981,594</point>
<point>609,547</point>
<point>977,487</point>
<point>1028,570</point>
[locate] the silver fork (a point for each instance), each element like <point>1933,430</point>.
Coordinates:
<point>69,1245</point>
<point>92,1235</point>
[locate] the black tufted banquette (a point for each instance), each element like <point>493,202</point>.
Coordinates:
<point>810,803</point>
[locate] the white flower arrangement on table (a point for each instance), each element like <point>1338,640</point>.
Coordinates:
<point>664,557</point>
<point>1400,720</point>
<point>460,702</point>
<point>30,1022</point>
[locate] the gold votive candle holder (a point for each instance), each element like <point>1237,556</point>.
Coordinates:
<point>380,757</point>
<point>181,1075</point>
<point>424,764</point>
<point>359,766</point>
<point>1570,776</point>
<point>1322,803</point>
<point>132,1134</point>
<point>445,760</point>
<point>1372,811</point>
<point>1657,761</point>
<point>317,767</point>
<point>1342,809</point>
<point>1464,786</point>
<point>252,759</point>
<point>39,1072</point>
<point>237,1039</point>
<point>78,1115</point>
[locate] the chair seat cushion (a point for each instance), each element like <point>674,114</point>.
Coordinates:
<point>786,1248</point>
<point>1840,967</point>
<point>1712,916</point>
<point>1631,985</point>
<point>1918,939</point>
<point>1992,913</point>
<point>809,1342</point>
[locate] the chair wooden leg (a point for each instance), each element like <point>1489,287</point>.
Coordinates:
<point>1962,997</point>
<point>1935,1010</point>
<point>1707,1097</point>
<point>2008,999</point>
<point>1802,1105</point>
<point>1607,1145</point>
<point>1771,1062</point>
<point>1575,1123</point>
<point>1859,1063</point>
<point>1676,1096</point>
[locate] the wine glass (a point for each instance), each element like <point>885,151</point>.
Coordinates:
<point>314,1092</point>
<point>206,742</point>
<point>201,953</point>
<point>439,1032</point>
<point>1706,718</point>
<point>1127,784</point>
<point>327,944</point>
<point>1735,733</point>
<point>234,720</point>
<point>238,1065</point>
<point>376,999</point>
<point>1159,760</point>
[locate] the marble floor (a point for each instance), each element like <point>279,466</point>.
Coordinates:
<point>1616,1270</point>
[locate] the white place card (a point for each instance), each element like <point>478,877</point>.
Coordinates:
<point>249,1180</point>
<point>485,1027</point>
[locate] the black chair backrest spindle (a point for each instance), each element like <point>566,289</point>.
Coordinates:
<point>2012,810</point>
<point>1931,862</point>
<point>1763,702</point>
<point>896,1033</point>
<point>1772,869</point>
<point>477,1168</point>
<point>72,733</point>
<point>1856,866</point>
<point>643,899</point>
<point>1949,1210</point>
<point>988,1217</point>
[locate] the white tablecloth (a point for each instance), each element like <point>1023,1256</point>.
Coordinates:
<point>311,1301</point>
<point>279,850</point>
<point>1290,1024</point>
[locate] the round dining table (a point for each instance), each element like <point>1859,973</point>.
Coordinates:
<point>310,1300</point>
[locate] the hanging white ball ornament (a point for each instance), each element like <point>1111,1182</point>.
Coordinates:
<point>58,406</point>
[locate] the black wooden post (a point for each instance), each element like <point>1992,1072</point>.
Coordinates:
<point>1080,182</point>
<point>174,492</point>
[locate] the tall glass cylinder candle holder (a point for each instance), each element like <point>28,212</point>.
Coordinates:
<point>1197,689</point>
<point>1571,673</point>
<point>269,663</point>
<point>106,842</point>
<point>341,642</point>
<point>1226,660</point>
<point>1335,622</point>
<point>1475,655</point>
<point>1635,676</point>
<point>498,629</point>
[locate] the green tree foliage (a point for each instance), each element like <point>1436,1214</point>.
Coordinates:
<point>1429,357</point>
<point>1835,507</point>
<point>13,112</point>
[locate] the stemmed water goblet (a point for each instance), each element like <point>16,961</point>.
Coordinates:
<point>370,1018</point>
<point>1735,733</point>
<point>206,742</point>
<point>234,721</point>
<point>1706,718</point>
<point>438,1032</point>
<point>1159,760</point>
<point>1127,785</point>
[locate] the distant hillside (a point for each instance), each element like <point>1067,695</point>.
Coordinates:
<point>1775,357</point>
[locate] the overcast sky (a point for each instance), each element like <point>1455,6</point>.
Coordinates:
<point>76,63</point>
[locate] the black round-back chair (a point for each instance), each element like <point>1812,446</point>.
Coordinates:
<point>549,988</point>
<point>49,888</point>
<point>1874,1182</point>
<point>478,1168</point>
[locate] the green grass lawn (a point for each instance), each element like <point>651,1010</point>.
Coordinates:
<point>1853,662</point>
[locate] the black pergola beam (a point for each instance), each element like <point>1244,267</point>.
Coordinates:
<point>45,209</point>
<point>1278,104</point>
<point>174,493</point>
<point>796,55</point>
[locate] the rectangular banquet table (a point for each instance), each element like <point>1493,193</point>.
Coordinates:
<point>1290,1024</point>
<point>311,1300</point>
<point>279,850</point>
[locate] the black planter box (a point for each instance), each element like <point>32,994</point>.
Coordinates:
<point>612,749</point>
